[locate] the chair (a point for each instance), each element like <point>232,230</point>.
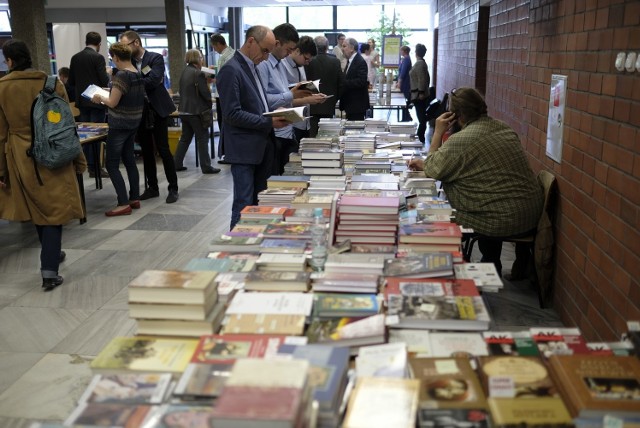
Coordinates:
<point>540,242</point>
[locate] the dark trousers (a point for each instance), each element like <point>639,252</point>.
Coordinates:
<point>192,125</point>
<point>406,115</point>
<point>95,115</point>
<point>300,134</point>
<point>120,146</point>
<point>355,115</point>
<point>219,119</point>
<point>50,238</point>
<point>491,250</point>
<point>159,136</point>
<point>284,146</point>
<point>421,112</point>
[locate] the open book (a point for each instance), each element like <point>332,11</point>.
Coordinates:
<point>309,85</point>
<point>94,89</point>
<point>292,115</point>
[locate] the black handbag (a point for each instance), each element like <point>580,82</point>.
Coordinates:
<point>206,117</point>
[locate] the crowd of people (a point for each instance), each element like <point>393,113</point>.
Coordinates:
<point>263,75</point>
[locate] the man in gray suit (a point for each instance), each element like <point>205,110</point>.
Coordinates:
<point>327,69</point>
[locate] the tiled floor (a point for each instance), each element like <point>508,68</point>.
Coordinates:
<point>48,339</point>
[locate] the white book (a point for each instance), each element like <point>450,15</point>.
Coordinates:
<point>94,89</point>
<point>388,360</point>
<point>292,115</point>
<point>484,275</point>
<point>271,303</point>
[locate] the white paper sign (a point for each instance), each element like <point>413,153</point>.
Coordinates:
<point>555,123</point>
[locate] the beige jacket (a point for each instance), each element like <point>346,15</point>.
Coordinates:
<point>57,200</point>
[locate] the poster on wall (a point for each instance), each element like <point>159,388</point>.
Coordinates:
<point>391,51</point>
<point>555,124</point>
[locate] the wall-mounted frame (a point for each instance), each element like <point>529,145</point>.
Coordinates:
<point>391,51</point>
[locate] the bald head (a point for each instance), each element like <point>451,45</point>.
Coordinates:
<point>259,42</point>
<point>322,44</point>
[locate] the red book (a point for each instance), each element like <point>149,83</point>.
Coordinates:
<point>251,403</point>
<point>227,348</point>
<point>450,287</point>
<point>369,204</point>
<point>430,233</point>
<point>559,341</point>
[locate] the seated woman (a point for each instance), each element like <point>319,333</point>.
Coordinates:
<point>484,172</point>
<point>125,103</point>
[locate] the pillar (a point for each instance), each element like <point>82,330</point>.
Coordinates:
<point>236,27</point>
<point>28,24</point>
<point>174,10</point>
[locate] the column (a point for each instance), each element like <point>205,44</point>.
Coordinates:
<point>174,10</point>
<point>236,31</point>
<point>28,24</point>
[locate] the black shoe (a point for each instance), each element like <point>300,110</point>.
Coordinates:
<point>211,170</point>
<point>63,256</point>
<point>173,196</point>
<point>149,193</point>
<point>181,168</point>
<point>223,162</point>
<point>49,284</point>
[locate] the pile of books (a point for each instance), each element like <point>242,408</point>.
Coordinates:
<point>367,219</point>
<point>322,162</point>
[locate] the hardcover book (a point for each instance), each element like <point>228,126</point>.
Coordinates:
<point>181,327</point>
<point>424,266</point>
<point>145,354</point>
<point>286,246</point>
<point>213,349</point>
<point>172,286</point>
<point>284,303</point>
<point>127,388</point>
<point>444,344</point>
<point>264,324</point>
<point>596,385</point>
<point>363,204</point>
<point>430,233</point>
<point>291,115</point>
<point>266,280</point>
<point>261,211</point>
<point>351,332</point>
<point>288,231</point>
<point>338,305</point>
<point>111,415</point>
<point>181,415</point>
<point>201,381</point>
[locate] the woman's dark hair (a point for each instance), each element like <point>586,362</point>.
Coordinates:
<point>18,52</point>
<point>467,103</point>
<point>421,50</point>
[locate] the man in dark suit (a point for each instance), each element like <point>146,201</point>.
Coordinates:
<point>151,65</point>
<point>249,140</point>
<point>354,100</point>
<point>88,67</point>
<point>326,68</point>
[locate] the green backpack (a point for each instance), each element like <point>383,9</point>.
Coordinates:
<point>54,136</point>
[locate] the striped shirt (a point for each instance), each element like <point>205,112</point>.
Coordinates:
<point>128,113</point>
<point>487,179</point>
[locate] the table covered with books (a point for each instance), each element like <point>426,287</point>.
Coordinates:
<point>392,332</point>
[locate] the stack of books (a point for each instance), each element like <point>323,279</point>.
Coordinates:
<point>322,162</point>
<point>329,127</point>
<point>319,143</point>
<point>403,128</point>
<point>262,212</point>
<point>366,143</point>
<point>288,181</point>
<point>346,282</point>
<point>373,181</point>
<point>372,125</point>
<point>278,196</point>
<point>427,265</point>
<point>424,237</point>
<point>281,262</point>
<point>372,166</point>
<point>327,184</point>
<point>304,215</point>
<point>175,303</point>
<point>377,218</point>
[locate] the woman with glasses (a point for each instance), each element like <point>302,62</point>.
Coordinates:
<point>125,102</point>
<point>484,172</point>
<point>195,98</point>
<point>53,201</point>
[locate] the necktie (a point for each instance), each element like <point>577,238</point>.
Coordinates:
<point>346,67</point>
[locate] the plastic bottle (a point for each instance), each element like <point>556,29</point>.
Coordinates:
<point>318,241</point>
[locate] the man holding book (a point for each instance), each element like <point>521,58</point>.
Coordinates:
<point>485,174</point>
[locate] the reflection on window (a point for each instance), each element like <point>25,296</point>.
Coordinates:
<point>155,42</point>
<point>4,21</point>
<point>358,17</point>
<point>311,17</point>
<point>268,16</point>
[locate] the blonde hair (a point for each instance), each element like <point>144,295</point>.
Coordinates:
<point>193,56</point>
<point>121,50</point>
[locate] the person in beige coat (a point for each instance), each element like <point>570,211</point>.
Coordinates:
<point>57,200</point>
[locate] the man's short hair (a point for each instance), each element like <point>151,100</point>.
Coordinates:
<point>406,49</point>
<point>340,36</point>
<point>63,72</point>
<point>286,33</point>
<point>421,50</point>
<point>131,36</point>
<point>218,39</point>
<point>353,42</point>
<point>322,43</point>
<point>92,38</point>
<point>306,45</point>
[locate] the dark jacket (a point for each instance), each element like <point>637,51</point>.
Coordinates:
<point>246,132</point>
<point>326,68</point>
<point>152,68</point>
<point>87,67</point>
<point>355,95</point>
<point>403,76</point>
<point>195,95</point>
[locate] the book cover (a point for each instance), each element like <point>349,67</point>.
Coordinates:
<point>559,341</point>
<point>171,286</point>
<point>127,388</point>
<point>259,211</point>
<point>430,233</point>
<point>383,403</point>
<point>111,415</point>
<point>287,230</point>
<point>287,246</point>
<point>220,265</point>
<point>511,343</point>
<point>291,115</point>
<point>275,406</point>
<point>272,372</point>
<point>388,360</point>
<point>444,344</point>
<point>227,348</point>
<point>283,303</point>
<point>235,243</point>
<point>327,372</point>
<point>597,385</point>
<point>418,341</point>
<point>484,275</point>
<point>93,90</point>
<point>348,331</point>
<point>364,204</point>
<point>432,418</point>
<point>338,305</point>
<point>247,230</point>
<point>145,354</point>
<point>282,260</point>
<point>309,85</point>
<point>447,383</point>
<point>264,324</point>
<point>182,415</point>
<point>427,265</point>
<point>265,280</point>
<point>202,381</point>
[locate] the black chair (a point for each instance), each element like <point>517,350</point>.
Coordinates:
<point>540,242</point>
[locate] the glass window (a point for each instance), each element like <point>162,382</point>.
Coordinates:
<point>358,17</point>
<point>414,16</point>
<point>311,17</point>
<point>5,25</point>
<point>269,16</point>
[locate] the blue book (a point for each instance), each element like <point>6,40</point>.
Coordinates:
<point>221,265</point>
<point>287,246</point>
<point>328,374</point>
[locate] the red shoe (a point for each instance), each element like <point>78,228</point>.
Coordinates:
<point>124,211</point>
<point>134,204</point>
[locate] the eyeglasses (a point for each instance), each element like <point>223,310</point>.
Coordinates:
<point>453,92</point>
<point>264,51</point>
<point>307,58</point>
<point>131,42</point>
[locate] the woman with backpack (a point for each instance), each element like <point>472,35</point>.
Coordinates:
<point>51,201</point>
<point>125,102</point>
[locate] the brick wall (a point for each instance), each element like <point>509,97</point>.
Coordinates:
<point>597,277</point>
